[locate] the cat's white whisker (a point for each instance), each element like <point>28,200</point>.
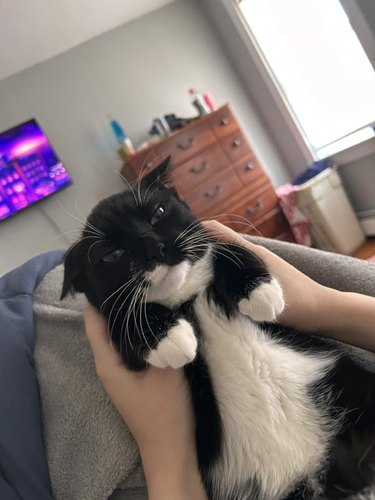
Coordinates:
<point>140,299</point>
<point>227,250</point>
<point>137,301</point>
<point>79,241</point>
<point>126,284</point>
<point>235,219</point>
<point>83,222</point>
<point>139,180</point>
<point>194,238</point>
<point>69,231</point>
<point>224,252</point>
<point>124,332</point>
<point>244,223</point>
<point>147,289</point>
<point>90,247</point>
<point>189,228</point>
<point>118,311</point>
<point>130,188</point>
<point>145,200</point>
<point>201,235</point>
<point>97,231</point>
<point>130,311</point>
<point>127,315</point>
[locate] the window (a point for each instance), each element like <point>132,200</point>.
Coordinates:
<point>319,67</point>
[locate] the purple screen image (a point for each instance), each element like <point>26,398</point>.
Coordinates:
<point>29,168</point>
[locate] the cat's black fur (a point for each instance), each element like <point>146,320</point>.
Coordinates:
<point>133,222</point>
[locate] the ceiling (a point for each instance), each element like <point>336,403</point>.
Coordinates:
<point>32,31</point>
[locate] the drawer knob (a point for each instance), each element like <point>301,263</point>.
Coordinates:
<point>186,146</point>
<point>198,170</point>
<point>250,166</point>
<point>237,142</point>
<point>259,205</point>
<point>224,121</point>
<point>211,194</point>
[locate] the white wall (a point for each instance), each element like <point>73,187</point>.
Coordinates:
<point>136,72</point>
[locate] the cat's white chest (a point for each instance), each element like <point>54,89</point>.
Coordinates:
<point>271,429</point>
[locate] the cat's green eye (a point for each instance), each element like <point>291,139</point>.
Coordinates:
<point>158,214</point>
<point>112,256</point>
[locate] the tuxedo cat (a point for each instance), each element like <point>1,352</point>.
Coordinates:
<point>279,415</point>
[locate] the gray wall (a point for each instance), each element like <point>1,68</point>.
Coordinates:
<point>359,181</point>
<point>368,10</point>
<point>135,72</point>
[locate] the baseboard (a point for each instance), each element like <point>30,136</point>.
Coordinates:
<point>368,224</point>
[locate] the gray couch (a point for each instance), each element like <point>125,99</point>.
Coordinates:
<point>90,453</point>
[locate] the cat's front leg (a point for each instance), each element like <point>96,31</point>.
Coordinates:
<point>177,348</point>
<point>264,303</point>
<point>160,337</point>
<point>243,283</point>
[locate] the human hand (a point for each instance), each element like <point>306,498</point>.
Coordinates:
<point>302,295</point>
<point>156,406</point>
<point>309,306</point>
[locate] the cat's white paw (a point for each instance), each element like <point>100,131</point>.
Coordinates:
<point>264,303</point>
<point>176,349</point>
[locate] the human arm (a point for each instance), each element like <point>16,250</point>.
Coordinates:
<point>156,406</point>
<point>311,307</point>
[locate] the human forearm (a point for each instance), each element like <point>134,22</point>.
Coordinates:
<point>172,473</point>
<point>349,317</point>
<point>156,406</point>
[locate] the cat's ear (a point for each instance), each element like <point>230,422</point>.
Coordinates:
<point>73,271</point>
<point>160,174</point>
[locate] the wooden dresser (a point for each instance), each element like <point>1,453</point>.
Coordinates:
<point>218,175</point>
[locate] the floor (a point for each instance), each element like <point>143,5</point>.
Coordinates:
<point>367,250</point>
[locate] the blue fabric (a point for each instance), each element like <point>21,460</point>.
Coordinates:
<point>313,170</point>
<point>23,465</point>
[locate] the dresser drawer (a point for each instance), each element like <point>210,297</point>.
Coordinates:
<point>187,144</point>
<point>236,146</point>
<point>254,208</point>
<point>248,169</point>
<point>199,169</point>
<point>223,123</point>
<point>144,161</point>
<point>272,225</point>
<point>213,193</point>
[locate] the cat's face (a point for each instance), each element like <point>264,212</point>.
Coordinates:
<point>141,238</point>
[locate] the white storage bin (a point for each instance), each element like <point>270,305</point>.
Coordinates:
<point>334,225</point>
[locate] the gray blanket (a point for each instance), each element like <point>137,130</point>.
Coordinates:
<point>91,454</point>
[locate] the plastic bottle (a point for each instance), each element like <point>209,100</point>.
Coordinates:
<point>210,101</point>
<point>198,102</point>
<point>122,137</point>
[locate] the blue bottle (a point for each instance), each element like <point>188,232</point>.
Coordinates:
<point>117,130</point>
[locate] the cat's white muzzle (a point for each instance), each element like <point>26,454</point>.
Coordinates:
<point>166,280</point>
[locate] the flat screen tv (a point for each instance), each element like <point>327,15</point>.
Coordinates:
<point>30,170</point>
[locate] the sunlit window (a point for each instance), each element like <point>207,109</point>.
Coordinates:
<point>319,67</point>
